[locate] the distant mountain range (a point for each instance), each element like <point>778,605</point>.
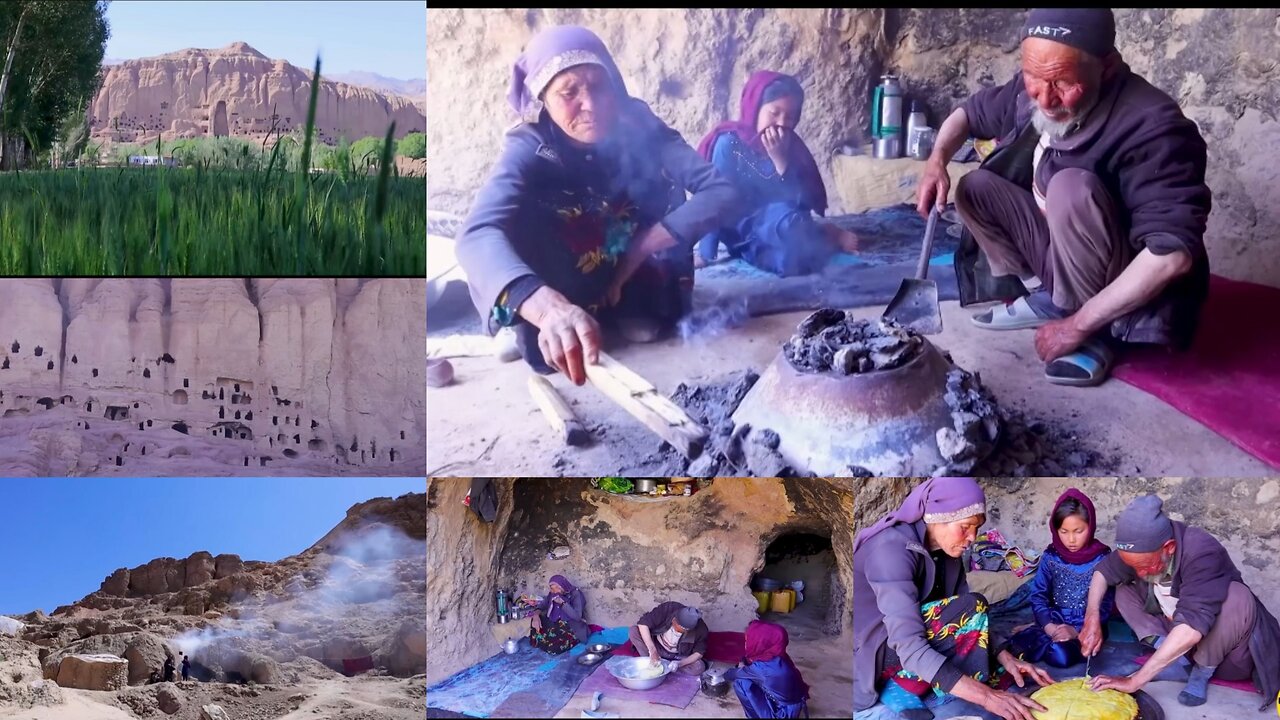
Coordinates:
<point>416,88</point>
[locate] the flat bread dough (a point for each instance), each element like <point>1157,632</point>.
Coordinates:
<point>1073,700</point>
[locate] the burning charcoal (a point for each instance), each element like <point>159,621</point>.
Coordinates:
<point>768,438</point>
<point>846,360</point>
<point>763,461</point>
<point>953,446</point>
<point>819,320</point>
<point>704,466</point>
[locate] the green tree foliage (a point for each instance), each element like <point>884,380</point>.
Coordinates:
<point>53,52</point>
<point>413,145</point>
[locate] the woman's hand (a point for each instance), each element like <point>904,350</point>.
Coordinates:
<point>1018,668</point>
<point>1006,705</point>
<point>653,240</point>
<point>1012,706</point>
<point>1060,632</point>
<point>569,337</point>
<point>777,143</point>
<point>557,600</point>
<point>537,622</point>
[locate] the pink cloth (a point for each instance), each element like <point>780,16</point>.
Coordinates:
<point>1246,685</point>
<point>1229,379</point>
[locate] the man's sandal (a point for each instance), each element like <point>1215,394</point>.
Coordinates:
<point>1086,367</point>
<point>1015,315</point>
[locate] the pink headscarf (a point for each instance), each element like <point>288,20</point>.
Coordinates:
<point>745,128</point>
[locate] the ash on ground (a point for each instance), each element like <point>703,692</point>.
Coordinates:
<point>831,341</point>
<point>1025,446</point>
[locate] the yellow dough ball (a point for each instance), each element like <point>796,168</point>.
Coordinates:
<point>1073,700</point>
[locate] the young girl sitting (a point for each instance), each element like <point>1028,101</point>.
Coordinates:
<point>1060,590</point>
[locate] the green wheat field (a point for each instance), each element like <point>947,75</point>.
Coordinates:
<point>236,214</point>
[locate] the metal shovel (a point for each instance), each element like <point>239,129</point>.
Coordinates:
<point>916,304</point>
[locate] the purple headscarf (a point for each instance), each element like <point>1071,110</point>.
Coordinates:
<point>745,128</point>
<point>936,500</point>
<point>553,608</point>
<point>551,51</point>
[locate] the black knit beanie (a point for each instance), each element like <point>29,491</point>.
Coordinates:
<point>1092,30</point>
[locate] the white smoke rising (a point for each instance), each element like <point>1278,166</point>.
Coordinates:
<point>193,641</point>
<point>354,581</point>
<point>713,318</point>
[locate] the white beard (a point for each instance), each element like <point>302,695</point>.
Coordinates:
<point>1058,129</point>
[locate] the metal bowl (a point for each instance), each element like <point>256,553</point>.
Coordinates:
<point>590,658</point>
<point>624,672</point>
<point>599,648</point>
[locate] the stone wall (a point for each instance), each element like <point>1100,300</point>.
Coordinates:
<point>1239,512</point>
<point>690,66</point>
<point>627,553</point>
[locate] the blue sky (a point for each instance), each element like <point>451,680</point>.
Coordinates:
<point>388,38</point>
<point>61,537</point>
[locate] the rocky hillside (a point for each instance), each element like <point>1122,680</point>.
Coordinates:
<point>219,376</point>
<point>350,605</point>
<point>239,92</point>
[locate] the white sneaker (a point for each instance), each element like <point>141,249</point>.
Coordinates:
<point>504,346</point>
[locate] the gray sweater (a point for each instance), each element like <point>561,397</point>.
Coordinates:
<point>1203,572</point>
<point>527,223</point>
<point>893,573</point>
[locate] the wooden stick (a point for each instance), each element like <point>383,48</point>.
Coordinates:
<point>643,401</point>
<point>557,411</point>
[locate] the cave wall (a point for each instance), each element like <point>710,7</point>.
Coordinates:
<point>462,565</point>
<point>629,554</point>
<point>1238,512</point>
<point>690,65</point>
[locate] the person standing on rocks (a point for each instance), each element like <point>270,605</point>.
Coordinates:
<point>778,180</point>
<point>672,631</point>
<point>583,219</point>
<point>917,629</point>
<point>186,667</point>
<point>168,667</point>
<point>1089,217</point>
<point>1179,590</point>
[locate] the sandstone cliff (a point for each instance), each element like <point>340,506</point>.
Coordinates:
<point>690,65</point>
<point>239,92</point>
<point>356,595</point>
<point>217,376</point>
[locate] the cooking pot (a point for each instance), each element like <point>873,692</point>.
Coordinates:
<point>714,683</point>
<point>510,646</point>
<point>646,486</point>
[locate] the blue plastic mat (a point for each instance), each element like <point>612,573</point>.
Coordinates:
<point>528,683</point>
<point>890,236</point>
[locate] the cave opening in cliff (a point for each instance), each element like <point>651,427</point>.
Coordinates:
<point>116,412</point>
<point>804,562</point>
<point>179,397</point>
<point>629,553</point>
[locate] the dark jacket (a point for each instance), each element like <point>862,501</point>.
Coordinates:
<point>893,573</point>
<point>528,224</point>
<point>574,609</point>
<point>1151,158</point>
<point>1203,572</point>
<point>658,620</point>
